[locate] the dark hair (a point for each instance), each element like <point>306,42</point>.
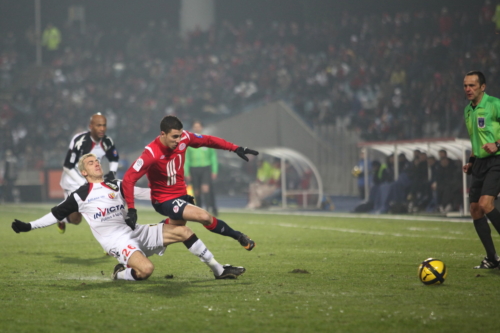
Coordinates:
<point>480,76</point>
<point>169,123</point>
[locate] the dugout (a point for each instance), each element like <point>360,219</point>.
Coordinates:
<point>457,149</point>
<point>309,191</point>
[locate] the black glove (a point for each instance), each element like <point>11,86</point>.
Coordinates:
<point>242,151</point>
<point>131,218</point>
<point>20,226</point>
<point>190,199</point>
<point>110,176</point>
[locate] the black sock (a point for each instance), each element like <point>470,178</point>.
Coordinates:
<point>494,217</point>
<point>220,227</point>
<point>190,241</point>
<point>484,232</point>
<point>134,275</point>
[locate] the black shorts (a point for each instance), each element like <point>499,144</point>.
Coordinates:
<point>173,208</point>
<point>201,176</point>
<point>485,178</point>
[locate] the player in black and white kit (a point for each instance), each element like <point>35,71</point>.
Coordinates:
<point>96,142</point>
<point>103,207</point>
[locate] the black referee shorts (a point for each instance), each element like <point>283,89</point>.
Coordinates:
<point>201,176</point>
<point>485,178</point>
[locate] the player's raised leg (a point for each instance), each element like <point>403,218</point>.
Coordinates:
<point>211,223</point>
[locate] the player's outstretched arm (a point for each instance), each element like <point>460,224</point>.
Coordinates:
<point>58,213</point>
<point>243,151</point>
<point>45,221</point>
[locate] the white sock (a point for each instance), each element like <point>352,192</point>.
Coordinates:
<point>215,266</point>
<point>125,275</point>
<point>201,251</point>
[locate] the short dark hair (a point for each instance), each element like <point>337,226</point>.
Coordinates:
<point>480,76</point>
<point>169,123</point>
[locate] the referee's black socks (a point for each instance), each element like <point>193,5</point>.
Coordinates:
<point>494,217</point>
<point>484,232</point>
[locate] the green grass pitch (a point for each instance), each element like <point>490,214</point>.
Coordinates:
<point>361,277</point>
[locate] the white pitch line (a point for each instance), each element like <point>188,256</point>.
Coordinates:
<point>350,215</point>
<point>356,231</point>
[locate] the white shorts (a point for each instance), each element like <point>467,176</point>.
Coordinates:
<point>147,238</point>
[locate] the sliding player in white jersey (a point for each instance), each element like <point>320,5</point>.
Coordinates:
<point>102,205</point>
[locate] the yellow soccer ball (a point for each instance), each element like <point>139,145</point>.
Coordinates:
<point>432,271</point>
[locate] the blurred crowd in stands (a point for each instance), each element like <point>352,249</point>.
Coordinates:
<point>388,76</point>
<point>424,184</point>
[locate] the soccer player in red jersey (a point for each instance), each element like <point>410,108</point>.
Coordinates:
<point>163,163</point>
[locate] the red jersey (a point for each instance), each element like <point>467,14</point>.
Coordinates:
<point>164,167</point>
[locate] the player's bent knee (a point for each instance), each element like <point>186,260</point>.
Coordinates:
<point>476,211</point>
<point>145,271</point>
<point>486,205</point>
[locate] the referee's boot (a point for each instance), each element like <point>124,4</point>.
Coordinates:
<point>488,264</point>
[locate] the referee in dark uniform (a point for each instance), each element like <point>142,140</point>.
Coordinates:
<point>482,118</point>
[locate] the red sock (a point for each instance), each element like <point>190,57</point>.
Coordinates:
<point>212,225</point>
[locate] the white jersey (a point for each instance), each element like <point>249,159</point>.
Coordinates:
<point>103,207</point>
<point>81,144</point>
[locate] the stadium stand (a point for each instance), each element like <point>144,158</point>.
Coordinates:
<point>388,76</point>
